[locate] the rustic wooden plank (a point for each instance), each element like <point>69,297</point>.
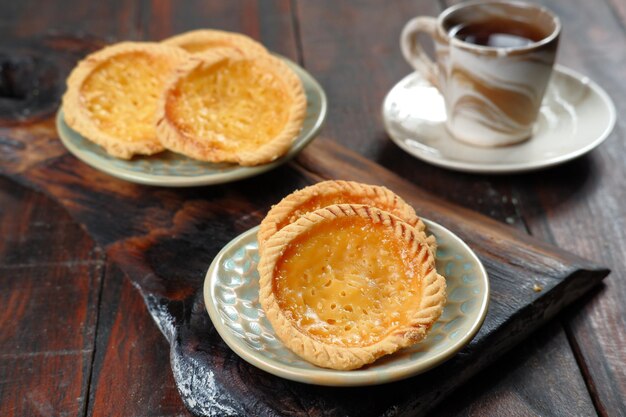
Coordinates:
<point>513,384</point>
<point>50,264</point>
<point>580,206</point>
<point>31,18</point>
<point>132,374</point>
<point>194,210</point>
<point>329,160</point>
<point>36,53</point>
<point>200,223</point>
<point>39,45</point>
<point>200,219</point>
<point>269,22</point>
<point>42,385</point>
<point>50,273</point>
<point>353,50</point>
<point>125,330</point>
<point>337,56</point>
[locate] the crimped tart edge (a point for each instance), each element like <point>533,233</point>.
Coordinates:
<point>281,211</point>
<point>77,117</point>
<point>175,140</point>
<point>339,357</point>
<point>236,40</point>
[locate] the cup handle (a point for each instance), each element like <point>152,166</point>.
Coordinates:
<point>412,49</point>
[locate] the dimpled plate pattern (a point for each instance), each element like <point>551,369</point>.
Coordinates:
<point>173,170</point>
<point>231,290</point>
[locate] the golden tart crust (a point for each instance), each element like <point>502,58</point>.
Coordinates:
<point>112,96</point>
<point>347,284</point>
<point>327,193</point>
<point>227,106</point>
<point>201,40</point>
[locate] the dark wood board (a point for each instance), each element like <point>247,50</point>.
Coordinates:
<point>164,240</point>
<point>358,65</point>
<point>47,347</point>
<point>590,196</point>
<point>563,205</point>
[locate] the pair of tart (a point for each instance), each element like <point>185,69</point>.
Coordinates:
<point>211,95</point>
<point>347,274</point>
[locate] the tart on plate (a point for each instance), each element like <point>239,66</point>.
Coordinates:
<point>346,284</point>
<point>201,40</point>
<point>112,96</point>
<point>327,193</point>
<point>228,106</point>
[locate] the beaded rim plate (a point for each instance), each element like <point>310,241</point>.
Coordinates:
<point>231,291</point>
<point>169,169</point>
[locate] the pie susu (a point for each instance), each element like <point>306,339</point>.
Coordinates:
<point>202,40</point>
<point>227,106</point>
<point>346,284</point>
<point>112,96</point>
<point>327,193</point>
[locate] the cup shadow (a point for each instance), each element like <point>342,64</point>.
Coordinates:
<point>523,196</point>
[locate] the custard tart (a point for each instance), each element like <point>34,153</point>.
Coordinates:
<point>327,193</point>
<point>201,40</point>
<point>112,96</point>
<point>346,284</point>
<point>227,106</point>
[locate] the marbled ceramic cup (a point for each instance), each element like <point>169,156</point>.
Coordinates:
<point>492,94</point>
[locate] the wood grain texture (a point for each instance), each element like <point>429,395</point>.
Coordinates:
<point>168,237</point>
<point>131,371</point>
<point>167,260</point>
<point>35,51</point>
<point>514,383</point>
<point>356,57</point>
<point>215,382</point>
<point>589,196</point>
<point>29,19</point>
<point>544,393</point>
<point>357,66</point>
<point>269,22</point>
<point>50,276</point>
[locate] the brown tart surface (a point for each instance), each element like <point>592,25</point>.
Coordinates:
<point>112,96</point>
<point>347,284</point>
<point>227,106</point>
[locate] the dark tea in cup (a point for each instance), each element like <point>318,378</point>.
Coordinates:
<point>499,33</point>
<point>493,61</point>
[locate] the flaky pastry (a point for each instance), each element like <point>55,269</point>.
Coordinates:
<point>227,106</point>
<point>327,193</point>
<point>347,284</point>
<point>202,40</point>
<point>112,96</point>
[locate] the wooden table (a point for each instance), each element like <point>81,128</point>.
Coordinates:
<point>75,337</point>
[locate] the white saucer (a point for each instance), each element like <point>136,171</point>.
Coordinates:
<point>576,116</point>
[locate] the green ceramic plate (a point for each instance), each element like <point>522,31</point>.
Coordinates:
<point>231,291</point>
<point>169,169</point>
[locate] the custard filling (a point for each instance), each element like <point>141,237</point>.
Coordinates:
<point>348,282</point>
<point>121,95</point>
<point>238,102</point>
